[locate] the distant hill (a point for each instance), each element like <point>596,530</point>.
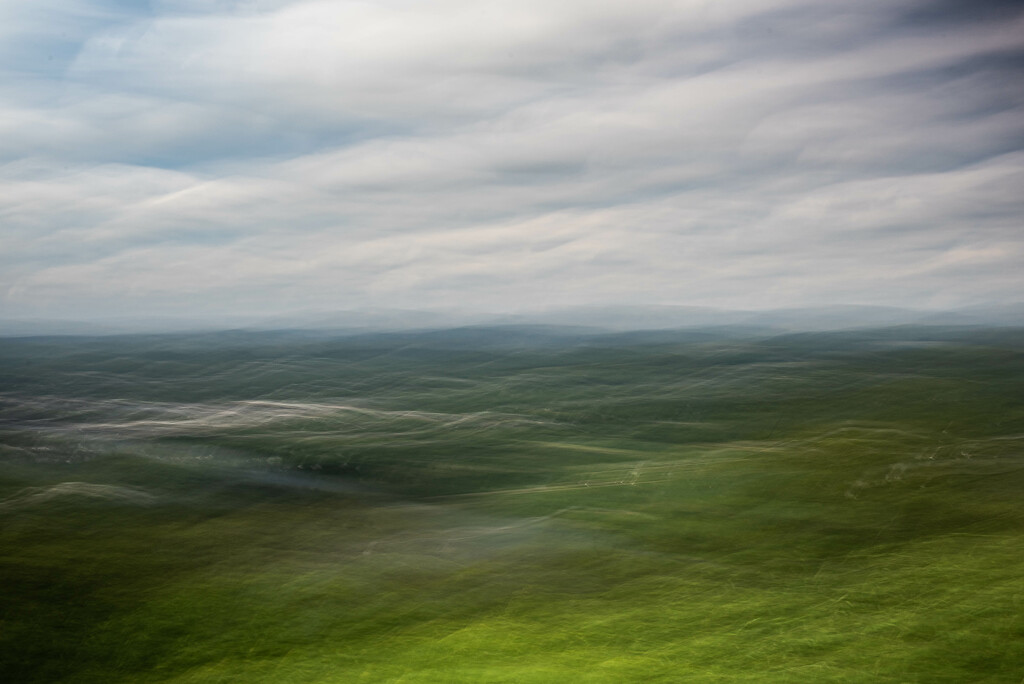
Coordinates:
<point>569,320</point>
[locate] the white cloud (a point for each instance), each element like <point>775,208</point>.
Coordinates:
<point>242,155</point>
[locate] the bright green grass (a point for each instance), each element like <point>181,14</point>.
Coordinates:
<point>804,509</point>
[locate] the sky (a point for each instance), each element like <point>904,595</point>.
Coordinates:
<point>214,158</point>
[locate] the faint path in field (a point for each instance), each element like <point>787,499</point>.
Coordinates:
<point>37,495</point>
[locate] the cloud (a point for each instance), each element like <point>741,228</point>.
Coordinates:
<point>209,157</point>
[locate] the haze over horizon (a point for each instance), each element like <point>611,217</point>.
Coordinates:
<point>213,159</point>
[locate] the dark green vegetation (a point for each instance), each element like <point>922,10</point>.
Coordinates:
<point>513,506</point>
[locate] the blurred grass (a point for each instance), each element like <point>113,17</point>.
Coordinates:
<point>834,508</point>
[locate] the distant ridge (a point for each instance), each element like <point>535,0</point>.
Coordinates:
<point>613,318</point>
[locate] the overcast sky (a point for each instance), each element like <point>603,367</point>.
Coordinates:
<point>211,157</point>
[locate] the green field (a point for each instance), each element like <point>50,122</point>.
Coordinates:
<point>513,505</point>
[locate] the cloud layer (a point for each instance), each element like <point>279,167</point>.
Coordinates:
<point>243,157</point>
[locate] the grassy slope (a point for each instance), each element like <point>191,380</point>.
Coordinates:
<point>809,508</point>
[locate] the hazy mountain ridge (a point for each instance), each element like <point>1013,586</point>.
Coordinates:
<point>580,320</point>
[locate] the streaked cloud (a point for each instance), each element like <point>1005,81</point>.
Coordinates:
<point>208,158</point>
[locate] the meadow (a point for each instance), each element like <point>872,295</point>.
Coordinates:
<point>513,505</point>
